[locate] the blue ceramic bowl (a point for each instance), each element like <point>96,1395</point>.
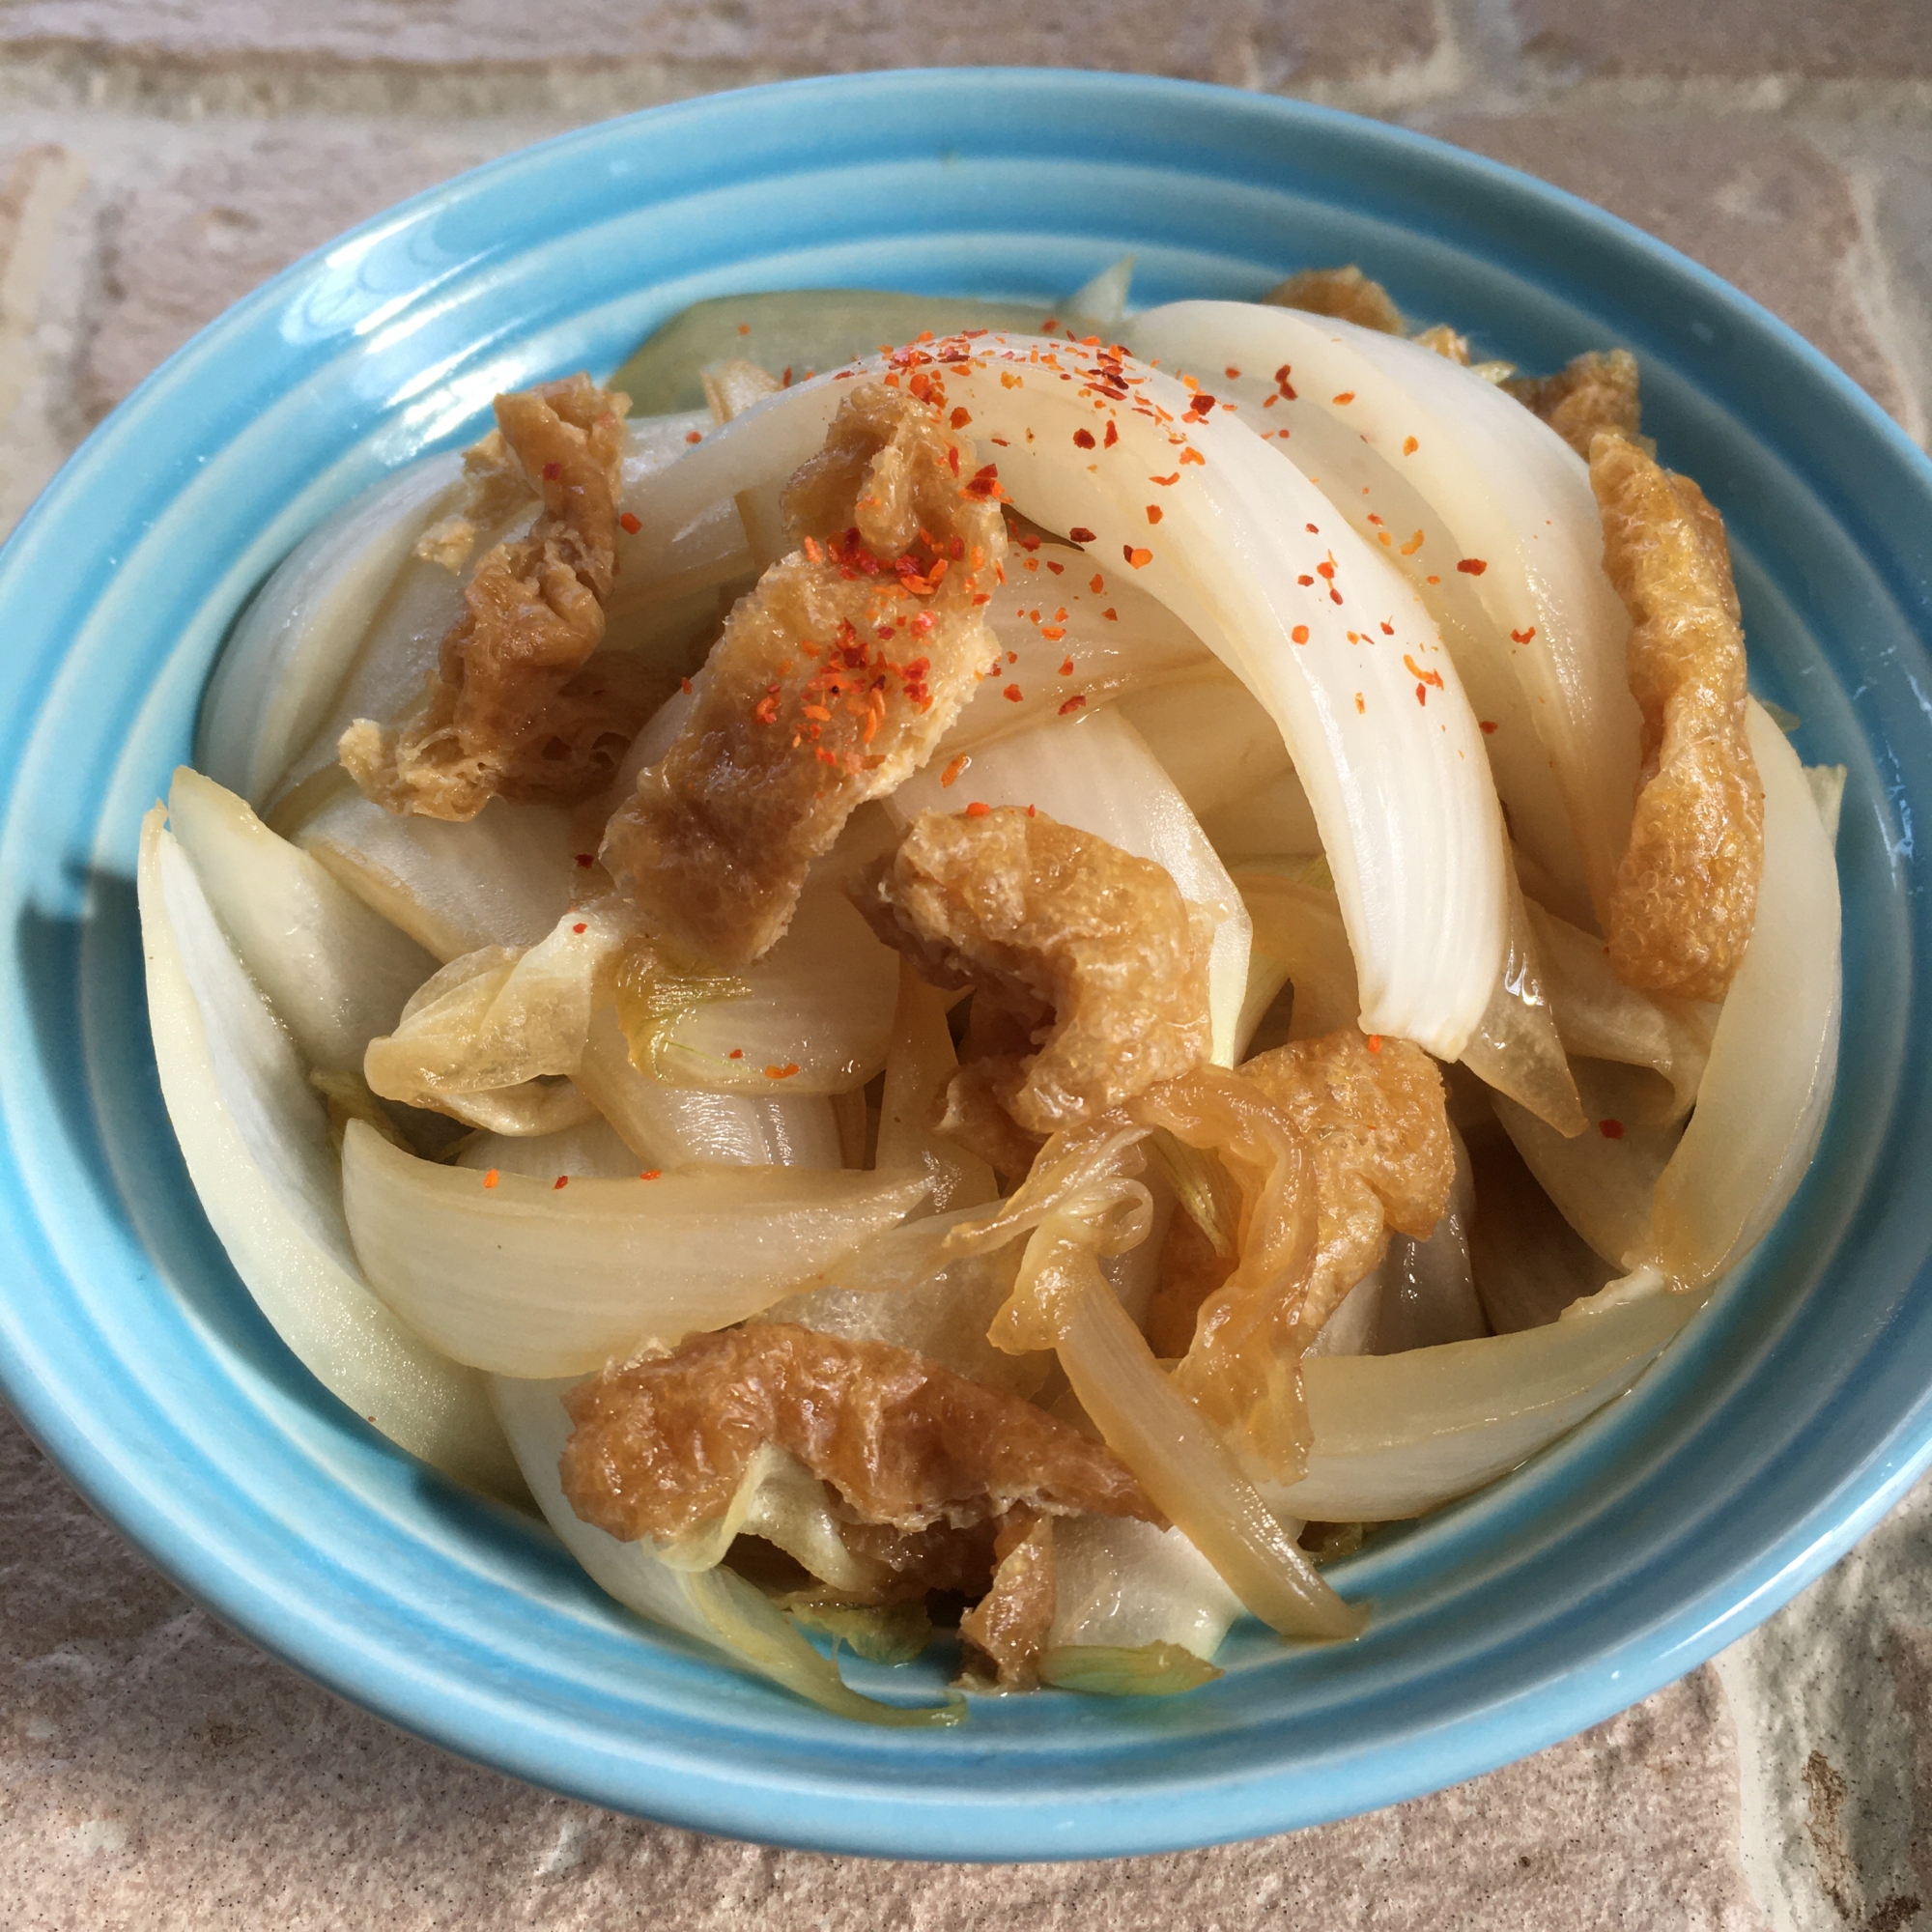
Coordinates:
<point>1780,1426</point>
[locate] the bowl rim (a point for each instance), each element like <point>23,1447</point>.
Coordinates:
<point>1607,1683</point>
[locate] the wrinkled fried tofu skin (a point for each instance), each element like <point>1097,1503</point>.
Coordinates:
<point>661,1446</point>
<point>1591,393</point>
<point>513,709</point>
<point>1011,1623</point>
<point>1686,890</point>
<point>1443,341</point>
<point>1330,1142</point>
<point>834,677</point>
<point>1346,294</point>
<point>1094,955</point>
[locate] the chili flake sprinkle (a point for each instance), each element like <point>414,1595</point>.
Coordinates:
<point>1137,558</point>
<point>1079,535</point>
<point>1074,704</point>
<point>979,809</point>
<point>784,1073</point>
<point>1299,634</point>
<point>629,523</point>
<point>1471,566</point>
<point>1611,1130</point>
<point>651,1174</point>
<point>1522,637</point>
<point>1410,445</point>
<point>1489,726</point>
<point>952,771</point>
<point>491,1178</point>
<point>562,1181</point>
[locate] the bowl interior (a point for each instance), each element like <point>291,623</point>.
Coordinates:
<point>1789,1414</point>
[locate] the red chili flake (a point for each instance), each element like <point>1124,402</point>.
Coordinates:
<point>744,329</point>
<point>785,380</point>
<point>1432,579</point>
<point>1080,535</point>
<point>1522,637</point>
<point>1388,629</point>
<point>1611,1130</point>
<point>1326,568</point>
<point>629,523</point>
<point>1375,1043</point>
<point>1073,703</point>
<point>585,859</point>
<point>1414,545</point>
<point>562,1181</point>
<point>1049,325</point>
<point>1360,705</point>
<point>1304,580</point>
<point>1011,693</point>
<point>552,472</point>
<point>736,1053</point>
<point>1489,726</point>
<point>784,1073</point>
<point>1053,632</point>
<point>1422,693</point>
<point>491,1178</point>
<point>651,1174</point>
<point>1165,481</point>
<point>1410,445</point>
<point>1299,634</point>
<point>1471,566</point>
<point>960,418</point>
<point>1112,615</point>
<point>1283,385</point>
<point>1112,437</point>
<point>694,436</point>
<point>953,459</point>
<point>952,771</point>
<point>1312,529</point>
<point>1193,456</point>
<point>684,685</point>
<point>1153,513</point>
<point>1139,558</point>
<point>1058,569</point>
<point>1066,668</point>
<point>1347,396</point>
<point>1029,543</point>
<point>1083,438</point>
<point>1097,585</point>
<point>979,809</point>
<point>580,926</point>
<point>1415,670</point>
<point>1232,374</point>
<point>1372,518</point>
<point>1032,812</point>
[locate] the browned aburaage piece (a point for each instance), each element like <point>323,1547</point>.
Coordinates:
<point>1088,962</point>
<point>1686,891</point>
<point>1012,1621</point>
<point>1593,392</point>
<point>1346,294</point>
<point>914,1451</point>
<point>1330,1142</point>
<point>834,679</point>
<point>515,709</point>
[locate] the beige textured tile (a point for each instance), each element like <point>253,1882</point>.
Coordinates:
<point>1815,39</point>
<point>1318,38</point>
<point>1764,207</point>
<point>157,1772</point>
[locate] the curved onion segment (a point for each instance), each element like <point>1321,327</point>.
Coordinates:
<point>255,1137</point>
<point>296,641</point>
<point>715,1606</point>
<point>1516,516</point>
<point>1398,1435</point>
<point>1774,1055</point>
<point>614,1264</point>
<point>1251,557</point>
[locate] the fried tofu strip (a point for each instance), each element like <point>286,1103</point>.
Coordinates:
<point>1346,294</point>
<point>1331,1142</point>
<point>1592,393</point>
<point>834,678</point>
<point>1092,957</point>
<point>1012,1622</point>
<point>660,1447</point>
<point>1686,891</point>
<point>512,710</point>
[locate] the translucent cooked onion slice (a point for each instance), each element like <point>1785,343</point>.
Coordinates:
<point>1512,518</point>
<point>715,1606</point>
<point>1420,886</point>
<point>255,1138</point>
<point>1768,1084</point>
<point>622,1264</point>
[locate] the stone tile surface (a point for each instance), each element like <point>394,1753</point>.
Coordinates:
<point>158,1773</point>
<point>1811,39</point>
<point>1766,208</point>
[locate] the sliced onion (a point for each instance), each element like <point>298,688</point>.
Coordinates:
<point>255,1138</point>
<point>591,1151</point>
<point>1397,1435</point>
<point>1094,773</point>
<point>715,1606</point>
<point>1211,738</point>
<point>667,1126</point>
<point>1598,1017</point>
<point>1299,940</point>
<point>1183,1465</point>
<point>1429,1288</point>
<point>919,1064</point>
<point>1065,645</point>
<point>1124,1583</point>
<point>1767,1087</point>
<point>1603,1180</point>
<point>1273,824</point>
<point>296,641</point>
<point>1408,815</point>
<point>1508,493</point>
<point>505,878</point>
<point>335,973</point>
<point>525,1278</point>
